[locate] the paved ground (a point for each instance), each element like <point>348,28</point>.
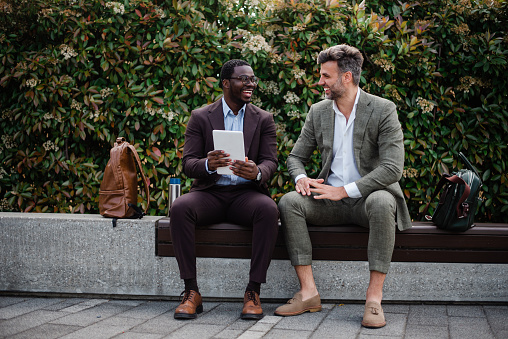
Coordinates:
<point>30,317</point>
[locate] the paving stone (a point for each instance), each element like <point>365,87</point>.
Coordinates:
<point>84,305</point>
<point>469,328</point>
<point>261,327</point>
<point>26,306</point>
<point>270,319</point>
<point>251,335</point>
<point>241,324</point>
<point>91,315</point>
<point>150,309</point>
<point>426,332</point>
<point>353,312</point>
<point>428,315</point>
<point>64,304</point>
<point>278,333</point>
<point>226,314</point>
<point>6,301</point>
<point>163,324</point>
<point>465,311</point>
<point>119,320</point>
<point>95,331</point>
<point>132,335</point>
<point>27,321</point>
<point>132,303</point>
<point>46,331</point>
<point>395,308</point>
<point>337,329</point>
<point>193,331</point>
<point>305,322</point>
<point>229,334</point>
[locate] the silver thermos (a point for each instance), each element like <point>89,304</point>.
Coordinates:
<point>175,190</point>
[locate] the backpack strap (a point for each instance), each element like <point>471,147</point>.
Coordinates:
<point>146,182</point>
<point>457,180</point>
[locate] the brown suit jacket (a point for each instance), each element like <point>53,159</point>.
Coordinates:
<point>260,140</point>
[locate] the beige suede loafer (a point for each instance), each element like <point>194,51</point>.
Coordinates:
<point>296,306</point>
<point>373,316</point>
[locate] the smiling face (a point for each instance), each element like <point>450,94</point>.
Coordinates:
<point>331,80</point>
<point>235,91</point>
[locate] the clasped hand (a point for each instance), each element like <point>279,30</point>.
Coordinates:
<point>246,169</point>
<point>303,186</point>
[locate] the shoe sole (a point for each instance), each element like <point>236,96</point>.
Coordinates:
<point>373,325</point>
<point>251,316</point>
<point>308,309</point>
<point>188,316</point>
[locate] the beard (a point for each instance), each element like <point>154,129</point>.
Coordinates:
<point>337,90</point>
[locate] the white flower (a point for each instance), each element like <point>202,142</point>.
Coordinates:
<point>49,145</point>
<point>32,82</point>
<point>118,8</point>
<point>298,73</point>
<point>425,105</point>
<point>256,43</point>
<point>67,51</point>
<point>105,92</point>
<point>291,98</point>
<point>272,87</point>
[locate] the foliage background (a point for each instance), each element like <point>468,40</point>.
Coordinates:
<point>76,74</point>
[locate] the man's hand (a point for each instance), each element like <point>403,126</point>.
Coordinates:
<point>303,185</point>
<point>216,159</point>
<point>246,169</point>
<point>328,192</point>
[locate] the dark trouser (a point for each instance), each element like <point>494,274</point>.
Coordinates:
<point>241,204</point>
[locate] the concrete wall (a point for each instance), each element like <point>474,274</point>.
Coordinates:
<point>84,254</point>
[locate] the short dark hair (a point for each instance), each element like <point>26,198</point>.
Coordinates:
<point>229,68</point>
<point>349,59</point>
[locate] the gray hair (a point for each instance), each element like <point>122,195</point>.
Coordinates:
<point>349,59</point>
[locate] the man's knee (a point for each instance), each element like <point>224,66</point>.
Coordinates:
<point>381,201</point>
<point>289,201</point>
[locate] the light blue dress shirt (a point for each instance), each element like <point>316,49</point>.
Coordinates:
<point>231,123</point>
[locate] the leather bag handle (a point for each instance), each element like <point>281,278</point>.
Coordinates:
<point>454,179</point>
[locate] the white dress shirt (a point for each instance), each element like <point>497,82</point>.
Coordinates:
<point>343,171</point>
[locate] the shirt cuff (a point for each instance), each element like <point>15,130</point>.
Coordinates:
<point>352,190</point>
<point>206,166</point>
<point>299,176</point>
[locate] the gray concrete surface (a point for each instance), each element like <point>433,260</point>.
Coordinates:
<point>84,254</point>
<point>30,317</point>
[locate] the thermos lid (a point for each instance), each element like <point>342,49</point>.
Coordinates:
<point>174,181</point>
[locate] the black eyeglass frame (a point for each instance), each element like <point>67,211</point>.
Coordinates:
<point>244,78</point>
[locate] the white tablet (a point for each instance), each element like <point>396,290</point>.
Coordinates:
<point>230,142</point>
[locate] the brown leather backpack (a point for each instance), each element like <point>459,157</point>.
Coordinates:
<point>118,194</point>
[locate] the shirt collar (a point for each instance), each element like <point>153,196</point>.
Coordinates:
<point>226,109</point>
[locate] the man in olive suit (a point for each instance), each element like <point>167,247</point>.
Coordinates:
<point>361,144</point>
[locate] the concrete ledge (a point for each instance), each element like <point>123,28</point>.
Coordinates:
<point>84,254</point>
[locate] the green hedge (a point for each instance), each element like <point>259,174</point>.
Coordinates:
<point>76,74</point>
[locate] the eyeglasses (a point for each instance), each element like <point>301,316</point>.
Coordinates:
<point>245,79</point>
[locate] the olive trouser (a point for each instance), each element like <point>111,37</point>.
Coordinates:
<point>376,212</point>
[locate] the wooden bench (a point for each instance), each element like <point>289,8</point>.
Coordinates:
<point>424,242</point>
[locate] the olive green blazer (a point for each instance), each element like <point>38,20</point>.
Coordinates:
<point>377,142</point>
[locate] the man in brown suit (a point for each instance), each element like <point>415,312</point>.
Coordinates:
<point>241,198</point>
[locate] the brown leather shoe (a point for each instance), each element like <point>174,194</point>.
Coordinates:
<point>190,306</point>
<point>251,306</point>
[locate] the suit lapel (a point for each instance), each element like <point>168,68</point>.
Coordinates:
<point>363,113</point>
<point>216,115</point>
<point>327,125</point>
<point>250,124</point>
